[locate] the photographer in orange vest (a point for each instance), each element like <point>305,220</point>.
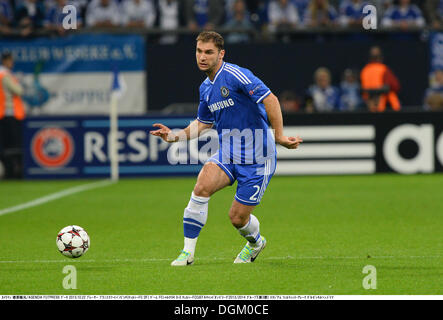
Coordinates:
<point>11,103</point>
<point>379,84</point>
<point>12,112</point>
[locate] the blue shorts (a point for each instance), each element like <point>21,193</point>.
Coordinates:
<point>252,178</point>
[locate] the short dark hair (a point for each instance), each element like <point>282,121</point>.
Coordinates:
<point>6,55</point>
<point>375,54</point>
<point>207,36</point>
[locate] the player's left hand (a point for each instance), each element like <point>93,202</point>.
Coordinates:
<point>289,142</point>
<point>164,132</point>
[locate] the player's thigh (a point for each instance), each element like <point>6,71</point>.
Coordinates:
<point>210,179</point>
<point>239,213</point>
<point>253,181</point>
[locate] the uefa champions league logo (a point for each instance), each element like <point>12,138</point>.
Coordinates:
<point>52,147</point>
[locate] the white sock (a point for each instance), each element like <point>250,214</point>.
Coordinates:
<point>251,231</point>
<point>194,219</point>
<point>190,244</point>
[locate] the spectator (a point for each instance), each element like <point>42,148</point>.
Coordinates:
<point>169,19</point>
<point>434,11</point>
<point>204,14</point>
<point>282,15</point>
<point>320,14</point>
<point>434,94</point>
<point>229,10</point>
<point>6,16</point>
<point>322,96</point>
<point>250,5</point>
<point>403,16</point>
<point>379,84</point>
<point>351,13</point>
<point>382,6</point>
<point>350,96</point>
<point>138,13</point>
<point>11,103</point>
<point>289,101</point>
<point>239,20</point>
<point>54,16</point>
<point>81,5</point>
<point>102,14</point>
<point>260,15</point>
<point>302,6</point>
<point>29,16</point>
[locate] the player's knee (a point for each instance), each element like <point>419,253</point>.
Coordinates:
<point>238,220</point>
<point>201,190</point>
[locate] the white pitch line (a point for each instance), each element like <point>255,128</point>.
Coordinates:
<point>55,196</point>
<point>216,258</point>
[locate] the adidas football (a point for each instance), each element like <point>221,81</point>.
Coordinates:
<point>72,241</point>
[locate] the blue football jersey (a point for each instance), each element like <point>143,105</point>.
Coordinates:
<point>233,103</point>
<point>396,13</point>
<point>352,10</point>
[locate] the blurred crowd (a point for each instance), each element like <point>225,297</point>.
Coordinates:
<point>374,88</point>
<point>25,17</point>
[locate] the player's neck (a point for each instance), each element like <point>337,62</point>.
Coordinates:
<point>212,73</point>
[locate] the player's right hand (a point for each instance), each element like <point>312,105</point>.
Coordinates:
<point>290,142</point>
<point>164,132</point>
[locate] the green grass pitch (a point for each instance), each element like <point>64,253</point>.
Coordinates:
<point>321,231</point>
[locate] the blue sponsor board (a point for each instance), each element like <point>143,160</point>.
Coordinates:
<point>78,147</point>
<point>78,53</point>
<point>73,74</point>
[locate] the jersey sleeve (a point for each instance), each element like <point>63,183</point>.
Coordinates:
<point>204,115</point>
<point>249,84</point>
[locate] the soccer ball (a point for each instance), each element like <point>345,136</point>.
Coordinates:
<point>72,241</point>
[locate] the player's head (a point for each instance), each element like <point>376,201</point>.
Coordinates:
<point>404,2</point>
<point>375,54</point>
<point>209,51</point>
<point>322,77</point>
<point>438,76</point>
<point>7,60</point>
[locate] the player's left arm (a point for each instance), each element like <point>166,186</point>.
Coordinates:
<point>273,110</point>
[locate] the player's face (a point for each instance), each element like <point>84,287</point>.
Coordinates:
<point>208,56</point>
<point>405,2</point>
<point>8,63</point>
<point>323,80</point>
<point>439,76</point>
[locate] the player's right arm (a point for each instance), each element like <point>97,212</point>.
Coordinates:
<point>190,132</point>
<point>204,121</point>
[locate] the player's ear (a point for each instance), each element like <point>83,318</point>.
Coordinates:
<point>222,54</point>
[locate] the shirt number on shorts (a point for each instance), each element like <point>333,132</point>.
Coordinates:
<point>254,196</point>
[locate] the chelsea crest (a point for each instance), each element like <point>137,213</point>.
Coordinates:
<point>224,92</point>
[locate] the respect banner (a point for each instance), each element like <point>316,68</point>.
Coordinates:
<point>338,143</point>
<point>73,75</point>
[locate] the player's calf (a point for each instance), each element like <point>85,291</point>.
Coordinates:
<point>251,231</point>
<point>245,222</point>
<point>194,219</point>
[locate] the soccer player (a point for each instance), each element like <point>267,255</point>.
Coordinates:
<point>234,100</point>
